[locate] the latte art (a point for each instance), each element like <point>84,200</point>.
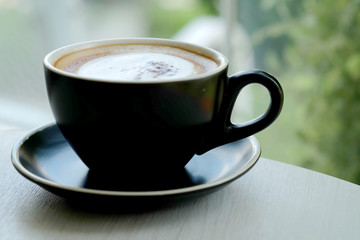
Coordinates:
<point>135,62</point>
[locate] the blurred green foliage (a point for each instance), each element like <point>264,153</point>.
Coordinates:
<point>328,54</point>
<point>313,47</point>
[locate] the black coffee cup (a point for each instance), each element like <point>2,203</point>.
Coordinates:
<point>132,127</point>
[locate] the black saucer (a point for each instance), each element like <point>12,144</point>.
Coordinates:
<point>44,157</point>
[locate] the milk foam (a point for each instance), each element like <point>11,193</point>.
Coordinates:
<point>135,62</point>
<point>138,66</point>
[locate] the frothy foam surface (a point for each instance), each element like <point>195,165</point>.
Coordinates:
<point>138,66</point>
<point>138,62</point>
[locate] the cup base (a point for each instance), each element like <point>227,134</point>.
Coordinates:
<point>157,180</point>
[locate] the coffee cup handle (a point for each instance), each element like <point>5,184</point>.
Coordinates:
<point>223,130</point>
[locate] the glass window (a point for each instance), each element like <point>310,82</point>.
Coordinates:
<point>311,46</point>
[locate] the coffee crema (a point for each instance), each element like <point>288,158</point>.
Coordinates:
<point>138,62</point>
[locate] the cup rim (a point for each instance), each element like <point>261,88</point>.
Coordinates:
<point>54,55</point>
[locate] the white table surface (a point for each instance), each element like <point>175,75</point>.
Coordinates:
<point>273,200</point>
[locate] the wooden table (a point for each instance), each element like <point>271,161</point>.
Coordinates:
<point>273,200</point>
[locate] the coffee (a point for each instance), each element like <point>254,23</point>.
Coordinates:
<point>138,62</point>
